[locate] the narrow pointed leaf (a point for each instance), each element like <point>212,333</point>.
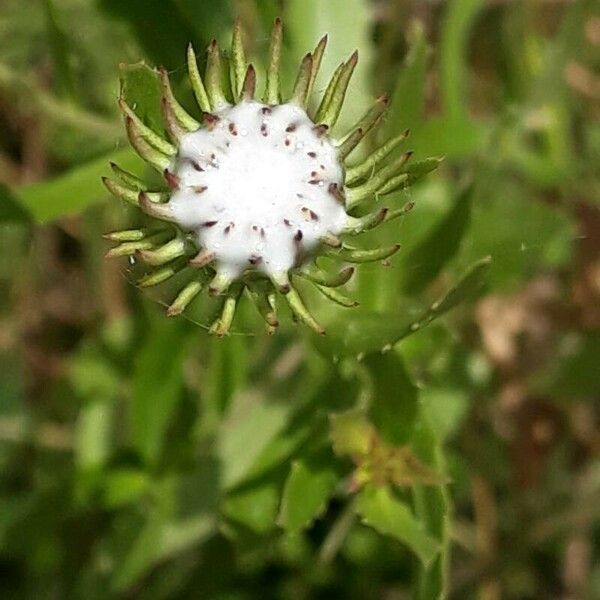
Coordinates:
<point>184,297</point>
<point>369,166</point>
<point>380,183</point>
<point>129,235</point>
<point>183,117</point>
<point>317,57</point>
<point>364,125</point>
<point>326,279</point>
<point>301,312</point>
<point>299,95</point>
<point>337,297</point>
<point>272,89</point>
<point>366,332</point>
<point>429,256</point>
<point>220,283</point>
<point>196,80</point>
<point>222,325</point>
<point>214,85</point>
<point>356,226</point>
<point>355,255</point>
<point>238,60</point>
<point>129,179</point>
<point>157,210</point>
<point>349,143</point>
<point>334,108</point>
<point>326,100</point>
<point>161,275</point>
<point>157,159</point>
<point>129,195</point>
<point>265,302</point>
<point>155,140</point>
<point>164,254</point>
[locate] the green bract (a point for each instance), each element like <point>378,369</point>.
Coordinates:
<point>257,188</point>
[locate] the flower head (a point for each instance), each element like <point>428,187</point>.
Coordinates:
<point>257,188</point>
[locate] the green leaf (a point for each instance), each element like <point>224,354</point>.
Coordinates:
<point>459,19</point>
<point>158,541</point>
<point>225,375</point>
<point>382,510</point>
<point>59,45</point>
<point>469,285</point>
<point>157,384</point>
<point>207,22</point>
<point>199,491</point>
<point>522,233</point>
<point>393,407</point>
<point>254,508</point>
<point>124,486</point>
<point>166,532</point>
<point>251,424</point>
<point>11,209</point>
<point>350,433</point>
<point>140,87</point>
<point>454,134</point>
<point>408,98</point>
<point>96,381</point>
<point>452,139</point>
<point>432,508</point>
<point>309,486</point>
<point>364,333</point>
<point>93,376</point>
<point>426,260</point>
<point>76,189</point>
<point>141,556</point>
<point>446,407</point>
<point>306,21</point>
<point>93,433</point>
<point>159,26</point>
<point>286,444</point>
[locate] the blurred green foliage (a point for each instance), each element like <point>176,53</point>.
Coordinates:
<point>440,441</point>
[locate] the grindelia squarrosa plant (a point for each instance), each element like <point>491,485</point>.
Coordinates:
<point>258,187</point>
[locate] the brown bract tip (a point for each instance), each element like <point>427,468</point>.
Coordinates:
<point>210,120</point>
<point>171,179</point>
<point>321,129</point>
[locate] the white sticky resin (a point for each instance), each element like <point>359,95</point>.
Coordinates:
<point>255,186</point>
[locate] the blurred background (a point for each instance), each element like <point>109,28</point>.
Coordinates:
<point>141,458</point>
